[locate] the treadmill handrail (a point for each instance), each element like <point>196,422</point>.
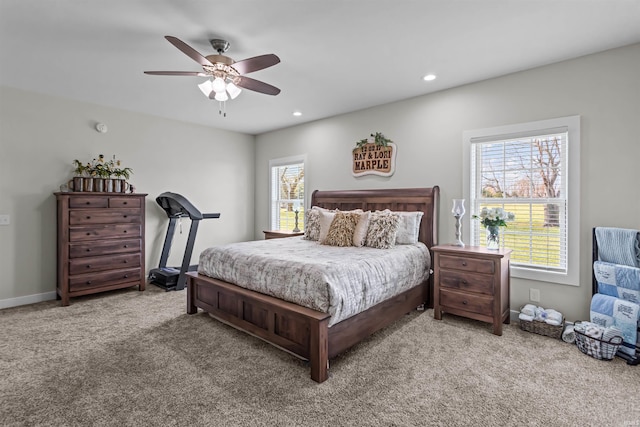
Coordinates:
<point>177,206</point>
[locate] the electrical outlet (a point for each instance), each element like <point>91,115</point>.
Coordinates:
<point>534,295</point>
<point>4,220</point>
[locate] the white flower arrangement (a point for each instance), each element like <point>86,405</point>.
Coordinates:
<point>494,217</point>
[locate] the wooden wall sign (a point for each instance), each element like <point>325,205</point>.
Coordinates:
<point>374,159</point>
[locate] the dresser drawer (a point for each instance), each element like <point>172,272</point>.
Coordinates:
<point>105,231</point>
<point>113,277</point>
<point>473,282</point>
<point>88,202</point>
<point>124,202</point>
<point>467,264</point>
<point>110,216</point>
<point>474,303</point>
<point>101,263</point>
<point>117,246</point>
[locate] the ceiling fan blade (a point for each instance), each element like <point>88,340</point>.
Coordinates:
<point>176,73</point>
<point>256,63</point>
<point>188,50</point>
<point>257,86</point>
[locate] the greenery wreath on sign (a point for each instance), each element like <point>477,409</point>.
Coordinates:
<point>378,139</point>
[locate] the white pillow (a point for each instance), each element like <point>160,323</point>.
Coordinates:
<point>408,227</point>
<point>360,233</point>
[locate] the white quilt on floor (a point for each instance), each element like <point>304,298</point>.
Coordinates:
<point>341,281</point>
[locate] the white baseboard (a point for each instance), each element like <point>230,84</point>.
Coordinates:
<point>29,299</point>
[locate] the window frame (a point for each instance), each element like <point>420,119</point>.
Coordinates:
<point>572,176</point>
<point>279,162</point>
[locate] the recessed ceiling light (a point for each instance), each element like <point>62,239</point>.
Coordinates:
<point>429,77</point>
<point>297,113</point>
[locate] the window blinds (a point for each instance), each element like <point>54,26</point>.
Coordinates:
<point>525,174</point>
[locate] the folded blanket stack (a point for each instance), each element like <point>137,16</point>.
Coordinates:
<point>530,312</point>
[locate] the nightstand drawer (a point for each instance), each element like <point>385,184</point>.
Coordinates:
<point>474,303</point>
<point>467,264</point>
<point>473,282</point>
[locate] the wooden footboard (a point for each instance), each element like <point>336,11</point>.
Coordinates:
<point>300,330</point>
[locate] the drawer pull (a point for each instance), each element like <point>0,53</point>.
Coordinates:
<point>88,282</point>
<point>126,276</point>
<point>126,246</point>
<point>124,231</point>
<point>88,265</point>
<point>88,234</point>
<point>125,216</point>
<point>88,217</point>
<point>464,282</point>
<point>125,261</point>
<point>464,263</point>
<point>88,250</point>
<point>124,203</point>
<point>464,302</point>
<point>88,203</point>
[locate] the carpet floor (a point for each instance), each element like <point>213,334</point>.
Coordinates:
<point>129,358</point>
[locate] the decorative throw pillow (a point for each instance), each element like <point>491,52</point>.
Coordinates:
<point>408,227</point>
<point>312,223</point>
<point>325,219</point>
<point>360,233</point>
<point>341,229</point>
<point>383,227</point>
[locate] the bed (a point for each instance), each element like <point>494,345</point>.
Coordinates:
<point>309,333</point>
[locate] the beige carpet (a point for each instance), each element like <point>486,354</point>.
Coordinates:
<point>137,359</point>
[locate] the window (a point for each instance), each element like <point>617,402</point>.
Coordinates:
<point>532,170</point>
<point>286,196</point>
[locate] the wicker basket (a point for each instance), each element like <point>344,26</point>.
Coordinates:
<point>596,347</point>
<point>542,328</point>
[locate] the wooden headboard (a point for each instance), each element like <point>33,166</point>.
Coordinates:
<point>402,199</point>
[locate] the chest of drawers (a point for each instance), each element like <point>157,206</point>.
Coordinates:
<point>100,243</point>
<point>472,282</point>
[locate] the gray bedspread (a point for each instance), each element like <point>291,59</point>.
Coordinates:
<point>341,281</point>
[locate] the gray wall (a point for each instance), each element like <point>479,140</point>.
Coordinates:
<point>604,89</point>
<point>41,135</point>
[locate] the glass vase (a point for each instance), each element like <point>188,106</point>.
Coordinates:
<point>493,237</point>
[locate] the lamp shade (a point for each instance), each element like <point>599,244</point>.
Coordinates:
<point>218,84</point>
<point>206,87</point>
<point>233,90</point>
<point>221,96</point>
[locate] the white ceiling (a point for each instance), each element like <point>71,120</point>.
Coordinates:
<point>337,55</point>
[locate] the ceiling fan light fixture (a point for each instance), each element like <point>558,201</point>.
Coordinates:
<point>218,85</point>
<point>206,87</point>
<point>233,90</point>
<point>221,96</point>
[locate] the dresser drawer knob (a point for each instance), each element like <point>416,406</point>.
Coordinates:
<point>88,234</point>
<point>125,261</point>
<point>125,216</point>
<point>464,302</point>
<point>124,231</point>
<point>88,250</point>
<point>124,203</point>
<point>88,203</point>
<point>88,265</point>
<point>126,246</point>
<point>88,217</point>
<point>464,282</point>
<point>88,282</point>
<point>464,263</point>
<point>126,276</point>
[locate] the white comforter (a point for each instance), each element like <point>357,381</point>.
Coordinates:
<point>341,281</point>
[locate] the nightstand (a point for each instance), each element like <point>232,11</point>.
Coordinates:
<point>279,234</point>
<point>472,282</point>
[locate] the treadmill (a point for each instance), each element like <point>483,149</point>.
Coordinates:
<point>176,208</point>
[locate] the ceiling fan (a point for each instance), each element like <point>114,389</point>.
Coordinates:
<point>226,76</point>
